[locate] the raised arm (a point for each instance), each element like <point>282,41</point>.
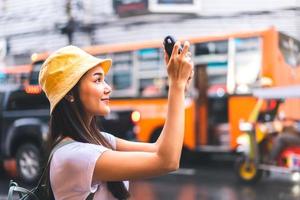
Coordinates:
<point>120,165</point>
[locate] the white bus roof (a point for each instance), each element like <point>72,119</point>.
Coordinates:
<point>278,92</point>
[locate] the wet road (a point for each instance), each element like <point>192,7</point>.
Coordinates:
<point>214,184</point>
<point>214,181</point>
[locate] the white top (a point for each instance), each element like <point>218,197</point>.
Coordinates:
<point>71,171</point>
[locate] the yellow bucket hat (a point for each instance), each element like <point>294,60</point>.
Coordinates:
<point>63,69</point>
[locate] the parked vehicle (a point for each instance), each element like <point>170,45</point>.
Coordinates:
<point>24,115</point>
<point>255,144</point>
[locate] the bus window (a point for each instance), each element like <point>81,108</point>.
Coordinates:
<point>213,48</point>
<point>156,87</point>
<point>214,55</point>
<point>121,80</point>
<point>290,49</point>
<point>108,76</point>
<point>247,62</point>
<point>122,74</point>
<point>151,73</point>
<point>149,59</point>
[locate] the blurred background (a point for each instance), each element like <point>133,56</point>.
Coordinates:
<point>247,75</point>
<point>37,26</point>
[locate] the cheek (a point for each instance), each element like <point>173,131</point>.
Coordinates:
<point>91,96</point>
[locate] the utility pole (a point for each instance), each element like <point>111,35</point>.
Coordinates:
<point>73,25</point>
<point>70,26</point>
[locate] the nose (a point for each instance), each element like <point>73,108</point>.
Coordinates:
<point>107,89</point>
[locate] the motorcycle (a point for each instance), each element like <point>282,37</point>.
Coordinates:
<point>255,142</point>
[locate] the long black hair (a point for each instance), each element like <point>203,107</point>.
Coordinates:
<point>66,120</point>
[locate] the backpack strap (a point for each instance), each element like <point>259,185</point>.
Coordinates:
<point>13,187</point>
<point>59,145</point>
<point>23,192</point>
<point>90,197</point>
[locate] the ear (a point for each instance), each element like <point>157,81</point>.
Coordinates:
<point>69,97</point>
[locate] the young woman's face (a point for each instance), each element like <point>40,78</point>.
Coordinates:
<point>94,92</point>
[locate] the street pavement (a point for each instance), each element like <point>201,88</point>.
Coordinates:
<point>205,181</point>
<point>214,184</point>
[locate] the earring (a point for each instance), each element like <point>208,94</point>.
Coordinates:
<point>72,100</point>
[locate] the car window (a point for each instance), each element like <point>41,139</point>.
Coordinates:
<point>20,100</point>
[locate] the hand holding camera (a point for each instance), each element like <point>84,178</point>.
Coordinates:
<point>178,60</point>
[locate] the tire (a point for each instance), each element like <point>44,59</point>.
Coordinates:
<point>247,173</point>
<point>28,158</point>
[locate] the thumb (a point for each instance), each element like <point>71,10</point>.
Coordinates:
<point>166,57</point>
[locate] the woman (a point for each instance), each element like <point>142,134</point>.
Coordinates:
<point>97,162</point>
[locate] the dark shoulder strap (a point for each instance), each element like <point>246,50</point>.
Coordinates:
<point>91,196</point>
<point>59,145</point>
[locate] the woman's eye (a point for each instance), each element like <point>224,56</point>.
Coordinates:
<point>98,80</point>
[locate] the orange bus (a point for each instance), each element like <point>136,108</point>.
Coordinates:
<point>227,68</point>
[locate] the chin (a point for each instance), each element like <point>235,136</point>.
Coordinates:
<point>104,112</point>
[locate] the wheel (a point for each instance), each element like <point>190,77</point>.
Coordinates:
<point>28,158</point>
<point>247,172</point>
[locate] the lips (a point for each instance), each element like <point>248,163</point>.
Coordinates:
<point>105,99</point>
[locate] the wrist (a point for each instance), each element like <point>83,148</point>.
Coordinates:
<point>177,85</point>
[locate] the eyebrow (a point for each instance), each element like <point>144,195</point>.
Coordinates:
<point>98,74</point>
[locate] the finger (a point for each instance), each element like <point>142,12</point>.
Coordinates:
<point>166,57</point>
<point>165,53</point>
<point>187,85</point>
<point>185,48</point>
<point>191,75</point>
<point>175,49</point>
<point>189,54</point>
